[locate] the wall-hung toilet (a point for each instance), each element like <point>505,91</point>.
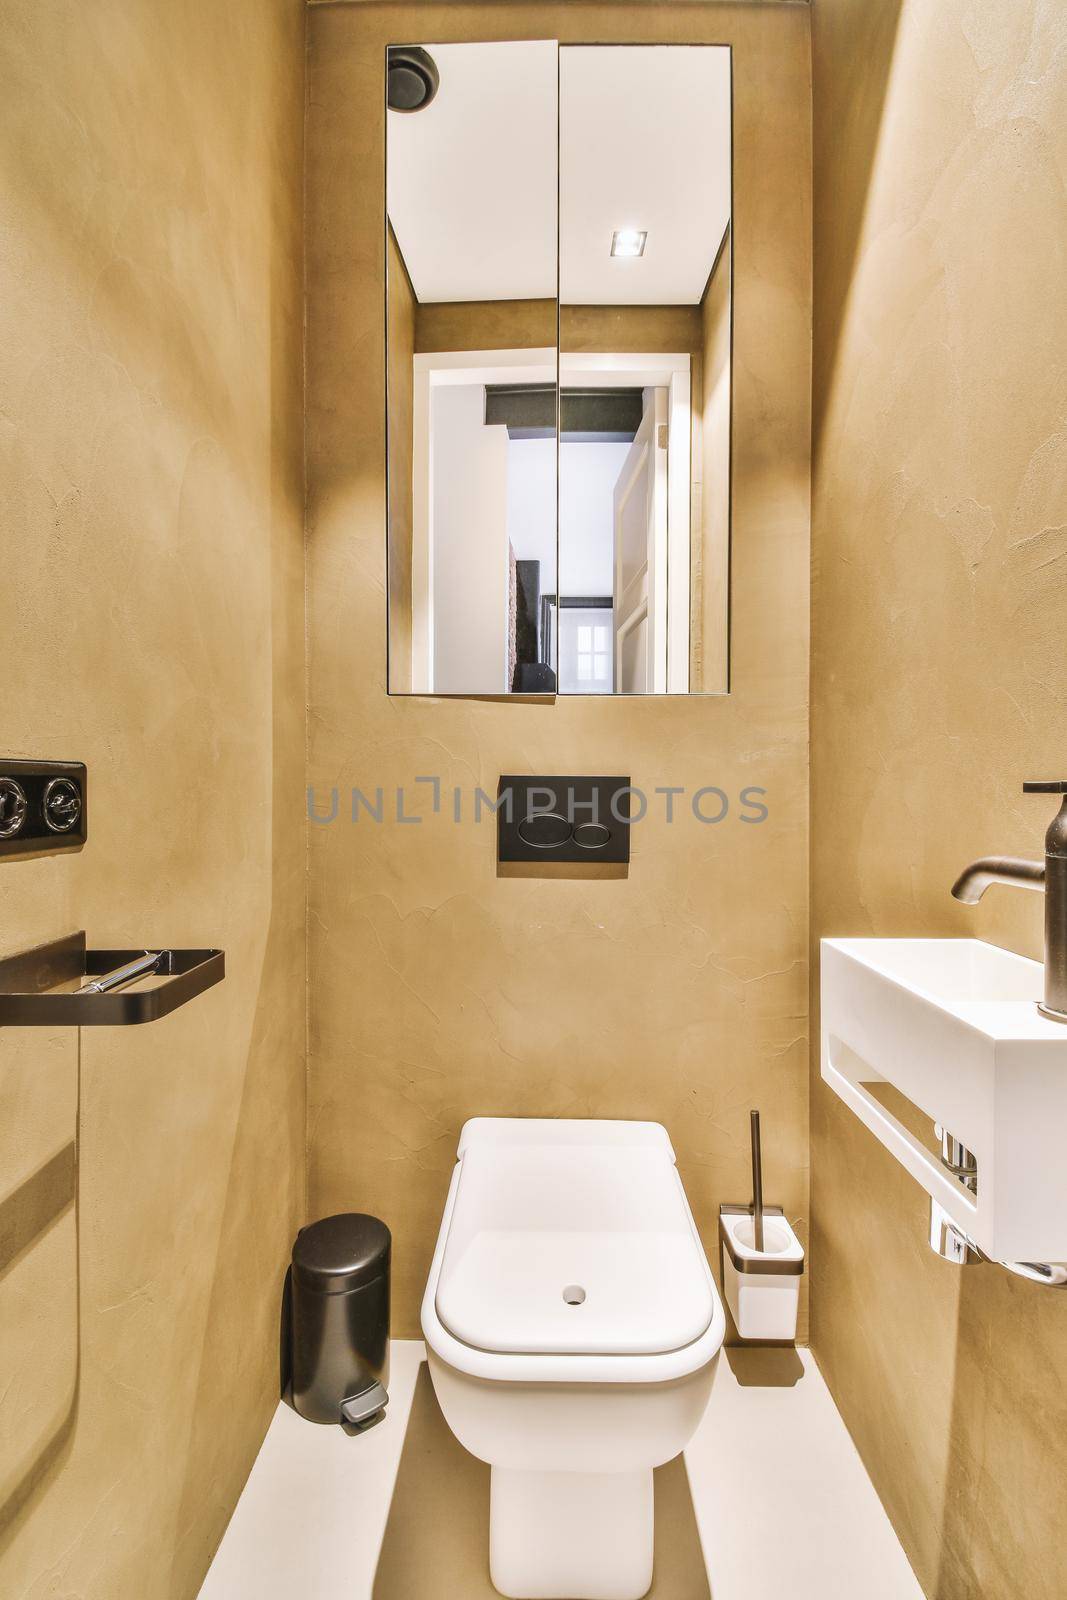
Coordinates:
<point>572,1326</point>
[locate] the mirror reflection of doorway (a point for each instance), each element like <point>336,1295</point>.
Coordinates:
<point>584,650</point>
<point>639,524</point>
<point>543,231</point>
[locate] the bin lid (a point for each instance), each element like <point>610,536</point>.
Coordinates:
<point>341,1252</point>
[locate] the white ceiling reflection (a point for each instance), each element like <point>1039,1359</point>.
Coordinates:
<point>644,133</point>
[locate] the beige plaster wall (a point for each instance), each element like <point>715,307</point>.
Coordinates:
<point>485,325</point>
<point>439,990</point>
<point>939,685</point>
<point>528,324</point>
<point>152,624</point>
<point>629,328</point>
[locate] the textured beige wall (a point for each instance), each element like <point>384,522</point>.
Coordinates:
<point>939,684</point>
<point>151,619</point>
<point>485,325</point>
<point>525,324</point>
<point>630,328</point>
<point>438,989</point>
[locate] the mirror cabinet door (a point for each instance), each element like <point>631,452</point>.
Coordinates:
<point>472,251</point>
<point>605,170</point>
<point>644,471</point>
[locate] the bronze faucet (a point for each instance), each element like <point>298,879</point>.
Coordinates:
<point>1049,875</point>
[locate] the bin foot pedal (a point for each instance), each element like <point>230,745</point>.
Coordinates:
<point>361,1411</point>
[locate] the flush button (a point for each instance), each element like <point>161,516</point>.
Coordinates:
<point>544,822</point>
<point>62,805</point>
<point>574,1294</point>
<point>592,835</point>
<point>544,831</point>
<point>13,808</point>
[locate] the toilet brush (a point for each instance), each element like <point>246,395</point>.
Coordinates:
<point>762,1260</point>
<point>757,1184</point>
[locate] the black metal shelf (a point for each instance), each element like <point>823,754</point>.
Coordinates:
<point>40,988</point>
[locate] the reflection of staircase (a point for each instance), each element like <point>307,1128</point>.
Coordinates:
<point>529,674</point>
<point>528,604</point>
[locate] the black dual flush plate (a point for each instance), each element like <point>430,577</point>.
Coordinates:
<point>575,819</point>
<point>42,806</point>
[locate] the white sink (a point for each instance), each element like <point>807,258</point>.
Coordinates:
<point>953,1025</point>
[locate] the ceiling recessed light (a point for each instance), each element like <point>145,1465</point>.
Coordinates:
<point>628,242</point>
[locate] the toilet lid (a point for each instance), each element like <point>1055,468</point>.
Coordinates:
<point>571,1250</point>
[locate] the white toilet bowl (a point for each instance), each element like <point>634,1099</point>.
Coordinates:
<point>573,1326</point>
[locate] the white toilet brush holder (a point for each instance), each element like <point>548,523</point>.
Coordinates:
<point>762,1261</point>
<point>762,1287</point>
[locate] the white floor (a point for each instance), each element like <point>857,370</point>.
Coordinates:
<point>781,1507</point>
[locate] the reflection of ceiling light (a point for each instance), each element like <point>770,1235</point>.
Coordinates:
<point>628,242</point>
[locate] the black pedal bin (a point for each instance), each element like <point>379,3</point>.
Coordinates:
<point>340,1318</point>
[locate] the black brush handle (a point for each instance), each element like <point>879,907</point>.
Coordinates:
<point>757,1183</point>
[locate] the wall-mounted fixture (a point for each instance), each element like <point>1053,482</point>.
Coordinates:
<point>948,1032</point>
<point>628,242</point>
<point>1049,875</point>
<point>576,819</point>
<point>572,1326</point>
<point>64,984</point>
<point>412,78</point>
<point>947,1239</point>
<point>43,806</point>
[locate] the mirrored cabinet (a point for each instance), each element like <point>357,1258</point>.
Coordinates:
<point>558,343</point>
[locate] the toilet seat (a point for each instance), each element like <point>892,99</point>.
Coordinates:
<point>537,1207</point>
<point>607,1226</point>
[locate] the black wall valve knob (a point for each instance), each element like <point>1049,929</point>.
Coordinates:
<point>13,808</point>
<point>43,806</point>
<point>62,805</point>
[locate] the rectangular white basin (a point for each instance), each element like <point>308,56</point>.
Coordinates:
<point>953,1025</point>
